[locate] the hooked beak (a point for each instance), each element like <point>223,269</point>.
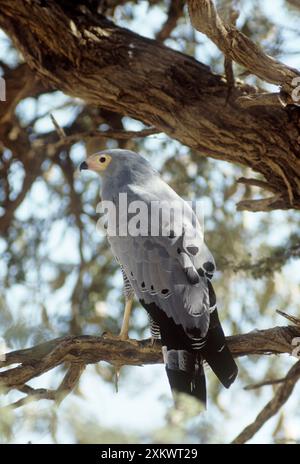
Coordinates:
<point>83,165</point>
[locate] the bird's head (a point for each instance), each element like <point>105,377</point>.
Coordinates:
<point>114,162</point>
<point>97,162</point>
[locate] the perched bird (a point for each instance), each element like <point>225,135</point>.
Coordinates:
<point>169,269</point>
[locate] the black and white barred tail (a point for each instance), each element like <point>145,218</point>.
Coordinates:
<point>184,356</point>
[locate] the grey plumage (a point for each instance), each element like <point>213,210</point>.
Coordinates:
<point>161,262</point>
<point>169,273</point>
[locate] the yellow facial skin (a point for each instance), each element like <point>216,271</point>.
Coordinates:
<point>98,162</point>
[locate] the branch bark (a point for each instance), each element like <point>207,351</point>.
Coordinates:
<point>91,58</point>
<point>238,47</point>
<point>78,351</point>
<point>86,349</point>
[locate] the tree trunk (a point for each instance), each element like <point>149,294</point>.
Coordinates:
<point>87,56</point>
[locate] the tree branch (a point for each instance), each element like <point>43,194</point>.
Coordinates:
<point>294,3</point>
<point>282,394</point>
<point>79,351</point>
<point>68,383</point>
<point>21,82</point>
<point>174,13</point>
<point>238,47</point>
<point>265,383</point>
<point>108,134</point>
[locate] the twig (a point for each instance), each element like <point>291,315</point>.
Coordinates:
<point>277,201</point>
<point>293,319</point>
<point>61,133</point>
<point>255,386</point>
<point>257,183</point>
<point>271,381</point>
<point>272,407</point>
<point>229,76</point>
<point>174,13</point>
<point>110,134</point>
<point>31,395</point>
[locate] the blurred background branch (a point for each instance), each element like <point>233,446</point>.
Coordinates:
<point>282,394</point>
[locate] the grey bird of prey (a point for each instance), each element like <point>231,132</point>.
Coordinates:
<point>170,271</point>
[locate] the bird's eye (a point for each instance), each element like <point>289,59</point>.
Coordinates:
<point>102,159</point>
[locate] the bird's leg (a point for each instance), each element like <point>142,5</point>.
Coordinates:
<point>123,334</point>
<point>153,341</point>
<point>125,324</point>
<point>154,331</point>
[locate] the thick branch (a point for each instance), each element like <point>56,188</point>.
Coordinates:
<point>86,349</point>
<point>237,46</point>
<point>91,58</point>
